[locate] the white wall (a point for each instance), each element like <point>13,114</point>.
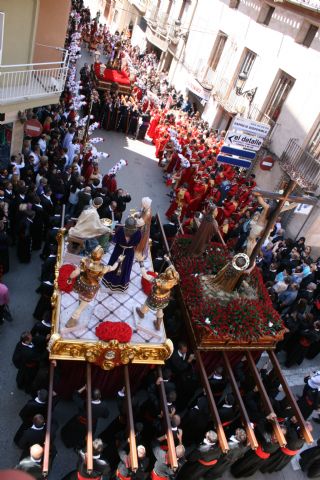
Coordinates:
<point>276,49</point>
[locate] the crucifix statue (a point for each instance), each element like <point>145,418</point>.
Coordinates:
<point>230,276</point>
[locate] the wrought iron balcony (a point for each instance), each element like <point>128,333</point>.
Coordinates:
<point>174,33</point>
<point>162,23</point>
<point>30,81</point>
<point>301,166</point>
<point>151,16</point>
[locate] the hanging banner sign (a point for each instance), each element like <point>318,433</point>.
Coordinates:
<point>247,125</point>
<point>195,87</point>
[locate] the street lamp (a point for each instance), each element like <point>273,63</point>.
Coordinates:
<point>249,94</point>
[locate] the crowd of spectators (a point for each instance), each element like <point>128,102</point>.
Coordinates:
<point>56,169</point>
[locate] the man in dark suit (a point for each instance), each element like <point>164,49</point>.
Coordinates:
<point>26,357</point>
<point>32,435</point>
<point>34,406</point>
<point>108,209</point>
<point>33,463</point>
<point>180,361</point>
<point>101,467</point>
<point>122,198</point>
<point>73,433</point>
<point>227,412</point>
<point>46,200</point>
<point>48,266</point>
<point>84,199</point>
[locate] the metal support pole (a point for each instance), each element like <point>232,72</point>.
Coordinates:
<point>132,437</point>
<point>250,433</point>
<point>170,441</point>
<point>212,404</point>
<point>63,214</point>
<point>266,400</point>
<point>163,235</point>
<point>46,454</point>
<point>306,434</point>
<point>89,421</point>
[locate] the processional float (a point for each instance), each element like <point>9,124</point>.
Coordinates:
<point>213,288</point>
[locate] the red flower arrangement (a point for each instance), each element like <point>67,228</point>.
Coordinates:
<point>114,331</point>
<point>64,274</point>
<point>242,319</point>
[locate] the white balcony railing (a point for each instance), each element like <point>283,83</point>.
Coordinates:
<point>151,14</point>
<point>162,23</point>
<point>30,81</point>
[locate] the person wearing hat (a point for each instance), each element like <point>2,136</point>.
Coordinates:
<point>144,222</point>
<point>126,238</point>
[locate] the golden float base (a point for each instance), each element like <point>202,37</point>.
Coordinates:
<point>106,355</point>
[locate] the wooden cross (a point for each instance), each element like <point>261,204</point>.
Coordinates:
<point>283,198</point>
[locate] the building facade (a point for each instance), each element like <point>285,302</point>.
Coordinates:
<point>33,62</point>
<point>256,58</point>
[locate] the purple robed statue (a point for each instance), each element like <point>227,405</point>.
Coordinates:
<point>126,239</point>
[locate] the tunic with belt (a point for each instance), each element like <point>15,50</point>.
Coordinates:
<point>119,279</point>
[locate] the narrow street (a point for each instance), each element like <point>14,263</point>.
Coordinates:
<point>141,177</point>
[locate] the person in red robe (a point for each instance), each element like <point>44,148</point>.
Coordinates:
<point>182,199</point>
<point>161,145</point>
<point>153,124</point>
<point>229,207</point>
<point>197,198</point>
<point>173,164</point>
<point>110,182</point>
